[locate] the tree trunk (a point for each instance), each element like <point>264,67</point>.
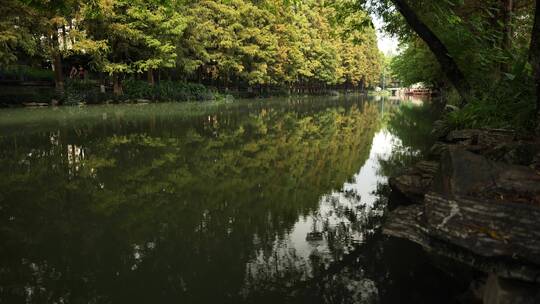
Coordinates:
<point>58,75</point>
<point>151,80</point>
<point>535,60</point>
<point>448,65</point>
<point>508,10</point>
<point>117,85</point>
<point>57,63</point>
<point>64,38</point>
<point>71,29</point>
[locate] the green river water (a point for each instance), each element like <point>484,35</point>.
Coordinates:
<point>262,201</point>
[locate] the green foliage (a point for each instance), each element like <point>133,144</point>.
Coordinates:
<point>417,64</point>
<point>138,89</point>
<point>490,43</point>
<point>16,32</point>
<point>13,95</point>
<point>490,113</point>
<point>166,91</point>
<point>138,35</point>
<point>80,91</point>
<point>242,43</point>
<point>249,45</point>
<point>508,103</point>
<point>473,31</point>
<point>25,73</point>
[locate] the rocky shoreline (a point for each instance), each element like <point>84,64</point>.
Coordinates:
<point>476,199</point>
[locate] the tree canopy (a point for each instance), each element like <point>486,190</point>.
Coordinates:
<point>237,43</point>
<point>483,49</point>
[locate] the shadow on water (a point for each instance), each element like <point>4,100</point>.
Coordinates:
<point>262,202</point>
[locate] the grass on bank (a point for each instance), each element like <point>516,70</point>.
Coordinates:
<point>77,92</point>
<point>507,104</point>
<point>26,73</point>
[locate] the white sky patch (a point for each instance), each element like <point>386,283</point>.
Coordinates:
<point>387,44</point>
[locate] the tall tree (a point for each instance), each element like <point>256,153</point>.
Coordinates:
<point>141,36</point>
<point>535,58</point>
<point>53,17</point>
<point>448,64</point>
<point>508,9</point>
<point>16,31</point>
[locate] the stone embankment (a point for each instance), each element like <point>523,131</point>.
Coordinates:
<point>477,200</point>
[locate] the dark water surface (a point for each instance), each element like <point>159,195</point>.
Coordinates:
<point>274,201</point>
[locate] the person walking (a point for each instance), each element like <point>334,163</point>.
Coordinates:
<point>82,73</point>
<point>73,73</point>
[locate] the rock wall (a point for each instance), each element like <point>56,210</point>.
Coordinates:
<point>478,202</point>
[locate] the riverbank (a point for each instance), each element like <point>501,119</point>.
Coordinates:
<point>137,92</point>
<point>476,199</point>
<point>91,92</point>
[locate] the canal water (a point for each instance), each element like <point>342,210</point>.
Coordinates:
<point>261,201</point>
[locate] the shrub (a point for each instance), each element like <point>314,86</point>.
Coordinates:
<point>508,104</point>
<point>12,95</point>
<point>26,73</point>
<point>81,91</point>
<point>167,91</point>
<point>494,113</point>
<point>135,89</point>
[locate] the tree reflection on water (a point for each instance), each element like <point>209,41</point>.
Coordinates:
<point>255,204</point>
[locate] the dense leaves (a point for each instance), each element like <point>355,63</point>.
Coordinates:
<point>490,42</point>
<point>475,34</point>
<point>303,45</point>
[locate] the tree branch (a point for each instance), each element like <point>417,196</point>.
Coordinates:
<point>534,55</point>
<point>448,65</point>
